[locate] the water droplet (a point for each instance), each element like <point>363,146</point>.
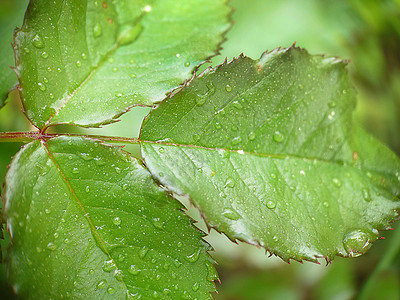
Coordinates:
<point>187,64</point>
<point>118,275</point>
<point>111,60</point>
<point>252,136</point>
<point>111,290</point>
<point>42,87</point>
<point>230,183</point>
<point>131,61</point>
<point>133,75</point>
<point>134,270</point>
<point>84,55</point>
<point>51,246</point>
<point>179,244</point>
<point>271,204</point>
<point>326,204</point>
<point>102,284</point>
<point>37,42</point>
<point>237,105</point>
<point>231,214</point>
<point>129,33</point>
<point>109,265</point>
<point>278,137</point>
<point>115,69</point>
<point>26,50</point>
<point>143,252</point>
<point>117,221</point>
<point>97,30</point>
<point>161,174</point>
<point>161,150</point>
<point>236,140</point>
<point>358,242</point>
<point>228,88</point>
<point>87,189</point>
<point>78,63</point>
<point>45,55</point>
<point>91,271</point>
<point>200,99</point>
<point>51,96</point>
<point>218,125</point>
<point>75,171</point>
<point>366,195</point>
<point>332,104</point>
<point>336,182</point>
<point>194,256</point>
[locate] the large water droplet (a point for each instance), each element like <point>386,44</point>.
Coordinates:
<point>271,204</point>
<point>45,55</point>
<point>129,33</point>
<point>109,265</point>
<point>278,137</point>
<point>194,256</point>
<point>228,88</point>
<point>187,64</point>
<point>195,286</point>
<point>37,42</point>
<point>231,214</point>
<point>358,242</point>
<point>110,290</point>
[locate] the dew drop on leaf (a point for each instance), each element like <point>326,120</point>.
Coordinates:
<point>117,221</point>
<point>252,136</point>
<point>278,137</point>
<point>45,55</point>
<point>134,270</point>
<point>78,63</point>
<point>231,214</point>
<point>97,30</point>
<point>366,195</point>
<point>161,150</point>
<point>111,290</point>
<point>108,266</point>
<point>236,140</point>
<point>336,182</point>
<point>357,242</point>
<point>143,252</point>
<point>228,88</point>
<point>101,284</point>
<point>271,204</point>
<point>42,87</point>
<point>51,246</point>
<point>37,42</point>
<point>187,64</point>
<point>194,256</point>
<point>230,183</point>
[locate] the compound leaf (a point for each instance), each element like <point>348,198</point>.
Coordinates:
<point>268,151</point>
<point>87,62</point>
<point>88,222</point>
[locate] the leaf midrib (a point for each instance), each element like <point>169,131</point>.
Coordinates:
<point>270,155</point>
<point>85,214</point>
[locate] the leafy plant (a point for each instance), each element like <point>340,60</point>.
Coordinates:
<point>266,149</point>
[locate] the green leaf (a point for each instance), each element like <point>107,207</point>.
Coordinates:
<point>268,151</point>
<point>11,15</point>
<point>87,62</point>
<point>88,222</point>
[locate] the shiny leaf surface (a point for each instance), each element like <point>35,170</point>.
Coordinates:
<point>87,62</point>
<point>268,151</point>
<point>88,222</point>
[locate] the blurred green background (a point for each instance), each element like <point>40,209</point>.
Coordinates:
<point>366,32</point>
